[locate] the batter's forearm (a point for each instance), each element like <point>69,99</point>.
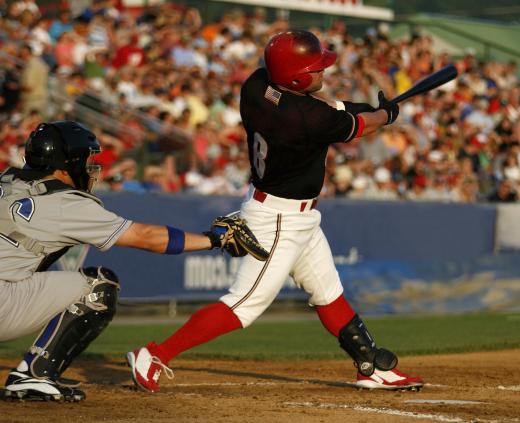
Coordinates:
<point>373,121</point>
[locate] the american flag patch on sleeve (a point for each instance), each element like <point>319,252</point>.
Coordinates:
<point>272,95</point>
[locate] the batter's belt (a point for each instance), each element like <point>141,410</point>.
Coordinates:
<point>285,204</point>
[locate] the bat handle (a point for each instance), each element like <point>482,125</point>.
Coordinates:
<point>399,98</point>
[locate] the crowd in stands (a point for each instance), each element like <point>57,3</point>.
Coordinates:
<point>161,89</point>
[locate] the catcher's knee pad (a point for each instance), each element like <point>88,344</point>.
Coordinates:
<point>355,339</point>
<point>71,331</point>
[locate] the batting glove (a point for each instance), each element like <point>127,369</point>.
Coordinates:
<point>391,108</point>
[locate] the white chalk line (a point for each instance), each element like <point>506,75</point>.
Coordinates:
<point>389,411</point>
<point>289,382</point>
<point>230,384</point>
<point>509,388</point>
<point>426,385</point>
<point>499,387</point>
<point>443,401</point>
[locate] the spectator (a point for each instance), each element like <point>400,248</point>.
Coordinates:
<point>10,88</point>
<point>116,182</point>
<point>468,190</point>
<point>342,179</point>
<point>34,82</point>
<point>64,52</point>
<point>61,25</point>
<point>373,149</point>
<point>100,35</point>
<point>360,185</point>
<point>511,169</point>
<point>40,39</point>
<point>128,170</point>
<point>383,188</point>
<point>129,54</point>
<point>505,193</point>
<point>154,179</point>
<point>479,118</point>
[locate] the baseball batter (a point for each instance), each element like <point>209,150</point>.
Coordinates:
<point>45,209</point>
<point>289,129</point>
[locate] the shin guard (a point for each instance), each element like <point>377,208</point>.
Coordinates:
<point>72,330</point>
<point>355,339</point>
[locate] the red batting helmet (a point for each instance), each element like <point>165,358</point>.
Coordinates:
<point>290,56</point>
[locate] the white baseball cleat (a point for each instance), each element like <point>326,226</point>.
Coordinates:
<point>390,380</point>
<point>146,368</point>
<point>23,386</point>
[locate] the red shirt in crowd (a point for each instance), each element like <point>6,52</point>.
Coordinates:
<point>129,54</point>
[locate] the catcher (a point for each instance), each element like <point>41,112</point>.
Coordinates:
<point>46,208</point>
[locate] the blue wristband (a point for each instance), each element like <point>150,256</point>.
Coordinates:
<point>176,239</point>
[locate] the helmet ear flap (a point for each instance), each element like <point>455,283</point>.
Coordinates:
<point>301,81</point>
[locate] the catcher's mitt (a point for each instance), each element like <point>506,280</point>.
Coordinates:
<point>236,237</point>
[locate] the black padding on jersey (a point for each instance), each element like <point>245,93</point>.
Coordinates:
<point>50,259</point>
<point>55,185</point>
<point>27,174</point>
<point>355,339</point>
<point>356,108</point>
<point>77,326</point>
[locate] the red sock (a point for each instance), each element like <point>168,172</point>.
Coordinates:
<point>204,325</point>
<point>335,315</point>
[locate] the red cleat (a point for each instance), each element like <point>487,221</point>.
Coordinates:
<point>391,380</point>
<point>146,368</point>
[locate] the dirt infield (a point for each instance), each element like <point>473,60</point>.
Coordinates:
<point>294,392</point>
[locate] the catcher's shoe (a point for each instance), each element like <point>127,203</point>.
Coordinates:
<point>146,368</point>
<point>391,380</point>
<point>23,386</point>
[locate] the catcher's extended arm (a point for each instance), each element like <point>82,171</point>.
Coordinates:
<point>232,234</point>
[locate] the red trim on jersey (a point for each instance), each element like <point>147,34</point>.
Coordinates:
<point>335,315</point>
<point>204,325</point>
<point>361,126</point>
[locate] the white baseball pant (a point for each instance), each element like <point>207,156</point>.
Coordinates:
<point>291,230</point>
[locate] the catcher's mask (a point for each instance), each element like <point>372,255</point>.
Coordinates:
<point>291,56</point>
<point>64,145</point>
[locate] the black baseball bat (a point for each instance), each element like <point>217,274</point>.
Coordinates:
<point>428,83</point>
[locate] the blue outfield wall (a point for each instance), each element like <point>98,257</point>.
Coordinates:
<point>392,257</point>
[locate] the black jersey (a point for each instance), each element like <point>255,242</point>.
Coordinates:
<point>288,136</point>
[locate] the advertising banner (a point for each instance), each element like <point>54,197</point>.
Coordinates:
<point>392,257</point>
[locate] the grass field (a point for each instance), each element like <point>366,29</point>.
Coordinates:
<point>306,339</point>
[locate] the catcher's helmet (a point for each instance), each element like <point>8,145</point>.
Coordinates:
<point>290,56</point>
<point>64,145</point>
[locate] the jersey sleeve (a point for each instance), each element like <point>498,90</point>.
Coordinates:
<point>328,125</point>
<point>88,222</point>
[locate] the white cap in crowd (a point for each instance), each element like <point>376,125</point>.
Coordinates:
<point>382,175</point>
